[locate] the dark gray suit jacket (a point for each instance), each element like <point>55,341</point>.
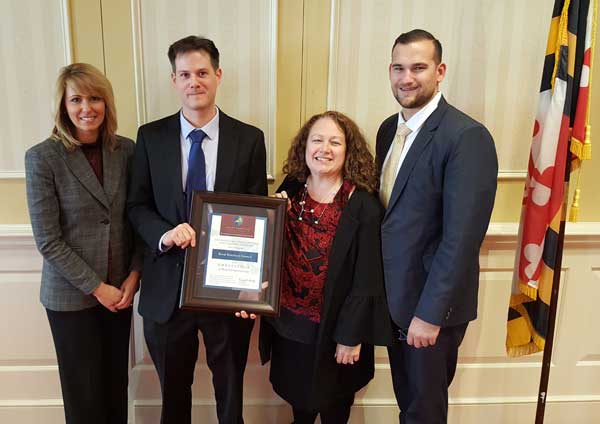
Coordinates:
<point>74,218</point>
<point>156,200</point>
<point>437,217</point>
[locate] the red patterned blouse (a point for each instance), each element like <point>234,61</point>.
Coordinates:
<point>310,229</point>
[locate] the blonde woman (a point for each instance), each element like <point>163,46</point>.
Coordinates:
<point>76,192</point>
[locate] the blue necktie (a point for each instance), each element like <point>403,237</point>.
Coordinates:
<point>196,177</point>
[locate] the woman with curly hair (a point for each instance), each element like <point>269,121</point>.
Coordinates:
<point>333,306</point>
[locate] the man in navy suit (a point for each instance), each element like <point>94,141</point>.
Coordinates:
<point>439,174</point>
<point>222,154</point>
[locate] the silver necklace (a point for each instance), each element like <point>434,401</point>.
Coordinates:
<point>312,211</point>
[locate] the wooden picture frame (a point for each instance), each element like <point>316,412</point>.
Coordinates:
<point>236,262</point>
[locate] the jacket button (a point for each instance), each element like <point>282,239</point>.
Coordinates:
<point>104,221</point>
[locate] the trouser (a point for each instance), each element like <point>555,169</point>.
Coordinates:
<point>421,377</point>
<point>92,347</point>
<point>173,347</point>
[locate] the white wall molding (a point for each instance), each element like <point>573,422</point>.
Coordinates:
<point>138,62</point>
<point>11,231</point>
<point>12,175</point>
<point>67,35</point>
<point>334,25</point>
<point>497,400</point>
<point>482,365</point>
<point>392,401</point>
<point>574,230</point>
<point>514,175</point>
<point>12,235</point>
<point>24,403</point>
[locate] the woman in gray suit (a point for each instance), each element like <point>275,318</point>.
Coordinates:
<point>76,192</point>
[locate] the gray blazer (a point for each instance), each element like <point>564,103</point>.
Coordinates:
<point>74,218</point>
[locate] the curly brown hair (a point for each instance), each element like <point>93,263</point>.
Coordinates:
<point>359,164</point>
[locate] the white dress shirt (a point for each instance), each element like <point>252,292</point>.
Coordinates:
<point>210,147</point>
<point>414,123</point>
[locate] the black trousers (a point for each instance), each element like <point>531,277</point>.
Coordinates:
<point>92,347</point>
<point>421,377</point>
<point>173,347</point>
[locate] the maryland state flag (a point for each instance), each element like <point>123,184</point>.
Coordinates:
<point>546,187</point>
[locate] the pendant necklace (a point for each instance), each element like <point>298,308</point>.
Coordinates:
<point>312,211</point>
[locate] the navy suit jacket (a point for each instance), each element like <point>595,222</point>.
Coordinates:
<point>437,218</point>
<point>156,200</point>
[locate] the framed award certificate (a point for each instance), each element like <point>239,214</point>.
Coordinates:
<point>236,263</point>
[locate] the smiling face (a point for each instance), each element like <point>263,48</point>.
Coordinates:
<point>196,81</point>
<point>86,112</point>
<point>325,149</point>
<point>414,75</point>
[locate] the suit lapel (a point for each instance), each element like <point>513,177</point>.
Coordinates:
<point>344,235</point>
<point>111,165</point>
<point>342,241</point>
<point>423,138</point>
<point>387,139</point>
<point>81,169</point>
<point>226,153</point>
<point>170,157</point>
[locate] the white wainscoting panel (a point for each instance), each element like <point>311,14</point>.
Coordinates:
<point>488,386</point>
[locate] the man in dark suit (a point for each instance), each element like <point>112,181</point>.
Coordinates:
<point>439,171</point>
<point>199,147</point>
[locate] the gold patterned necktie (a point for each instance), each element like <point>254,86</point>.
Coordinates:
<point>391,165</point>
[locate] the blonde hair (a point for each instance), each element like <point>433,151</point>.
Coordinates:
<point>87,79</point>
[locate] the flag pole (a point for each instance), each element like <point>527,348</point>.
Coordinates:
<point>549,339</point>
<point>547,358</point>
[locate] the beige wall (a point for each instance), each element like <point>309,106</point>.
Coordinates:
<point>489,386</point>
<point>101,35</point>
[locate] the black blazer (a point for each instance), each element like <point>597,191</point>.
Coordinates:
<point>437,217</point>
<point>156,201</point>
<point>354,305</point>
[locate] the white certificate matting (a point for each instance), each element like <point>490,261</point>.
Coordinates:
<point>235,261</point>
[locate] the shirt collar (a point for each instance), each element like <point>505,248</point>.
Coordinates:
<point>419,118</point>
<point>211,129</point>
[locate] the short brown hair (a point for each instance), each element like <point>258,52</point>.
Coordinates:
<point>193,43</point>
<point>421,35</point>
<point>359,164</point>
<point>88,79</point>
